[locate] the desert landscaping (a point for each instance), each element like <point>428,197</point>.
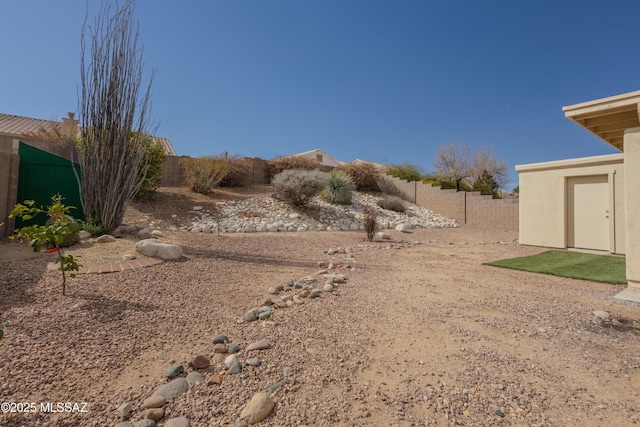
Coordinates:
<point>413,331</point>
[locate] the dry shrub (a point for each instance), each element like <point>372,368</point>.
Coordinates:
<point>283,163</point>
<point>387,186</point>
<point>364,175</point>
<point>298,187</point>
<point>203,174</point>
<point>238,170</point>
<point>392,203</point>
<point>370,217</point>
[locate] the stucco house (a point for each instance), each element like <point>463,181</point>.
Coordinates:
<point>592,202</point>
<point>319,156</point>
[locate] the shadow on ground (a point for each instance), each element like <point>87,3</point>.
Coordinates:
<point>104,309</point>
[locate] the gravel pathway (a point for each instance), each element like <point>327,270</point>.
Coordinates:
<point>420,333</point>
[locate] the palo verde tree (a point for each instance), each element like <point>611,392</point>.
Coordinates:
<point>112,104</point>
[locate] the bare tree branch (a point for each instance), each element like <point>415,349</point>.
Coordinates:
<point>486,161</point>
<point>111,155</point>
<point>454,162</point>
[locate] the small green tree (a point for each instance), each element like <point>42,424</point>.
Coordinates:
<point>60,226</point>
<point>486,185</point>
<point>153,159</point>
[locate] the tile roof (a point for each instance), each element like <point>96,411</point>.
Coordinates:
<point>18,125</point>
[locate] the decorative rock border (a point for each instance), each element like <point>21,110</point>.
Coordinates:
<point>260,406</point>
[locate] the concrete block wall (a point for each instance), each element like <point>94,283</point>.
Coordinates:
<point>494,213</point>
<point>171,172</point>
<point>466,208</point>
<point>9,164</point>
<point>256,172</point>
<point>449,203</point>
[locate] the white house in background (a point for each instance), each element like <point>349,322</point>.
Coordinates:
<point>378,166</point>
<point>319,156</point>
<point>592,202</point>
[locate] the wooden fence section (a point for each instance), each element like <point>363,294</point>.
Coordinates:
<point>466,208</point>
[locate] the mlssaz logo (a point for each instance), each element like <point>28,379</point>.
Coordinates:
<point>54,407</point>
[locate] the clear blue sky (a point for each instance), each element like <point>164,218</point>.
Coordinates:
<point>387,81</point>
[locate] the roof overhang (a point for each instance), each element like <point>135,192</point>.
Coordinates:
<point>608,118</point>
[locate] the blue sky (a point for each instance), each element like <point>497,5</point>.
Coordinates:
<point>386,81</point>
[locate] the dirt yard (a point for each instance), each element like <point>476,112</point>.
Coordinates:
<point>421,333</point>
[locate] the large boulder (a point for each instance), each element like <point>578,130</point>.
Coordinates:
<point>156,248</point>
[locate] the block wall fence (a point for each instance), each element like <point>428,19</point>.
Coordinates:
<point>466,208</point>
<point>470,208</point>
<point>172,172</point>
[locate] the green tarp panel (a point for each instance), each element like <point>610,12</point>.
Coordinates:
<point>43,175</point>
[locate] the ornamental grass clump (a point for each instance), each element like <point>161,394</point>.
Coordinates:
<point>339,190</point>
<point>297,187</point>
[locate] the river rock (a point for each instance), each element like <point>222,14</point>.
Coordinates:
<point>153,402</point>
<point>154,414</point>
<point>258,408</point>
<point>177,422</point>
<point>262,344</point>
<point>174,370</point>
<point>195,377</point>
<point>220,339</point>
<point>173,388</point>
<point>199,362</point>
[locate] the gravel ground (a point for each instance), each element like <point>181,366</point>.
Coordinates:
<point>421,333</point>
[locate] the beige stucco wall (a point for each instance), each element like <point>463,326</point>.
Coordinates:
<point>543,205</point>
<point>632,194</point>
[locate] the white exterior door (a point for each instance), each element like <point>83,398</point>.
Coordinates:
<point>588,212</point>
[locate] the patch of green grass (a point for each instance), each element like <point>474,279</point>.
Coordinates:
<point>574,265</point>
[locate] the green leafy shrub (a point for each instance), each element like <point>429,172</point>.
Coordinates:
<point>392,203</point>
<point>297,187</point>
<point>93,226</point>
<point>339,189</point>
<point>364,175</point>
<point>370,216</point>
<point>238,169</point>
<point>283,163</point>
<point>405,172</point>
<point>154,158</point>
<point>203,174</point>
<point>486,185</point>
<point>445,183</point>
<point>60,227</point>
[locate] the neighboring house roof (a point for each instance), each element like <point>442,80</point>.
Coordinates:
<point>607,118</point>
<point>18,125</point>
<point>168,148</point>
<point>320,156</point>
<point>378,166</point>
<point>36,128</point>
